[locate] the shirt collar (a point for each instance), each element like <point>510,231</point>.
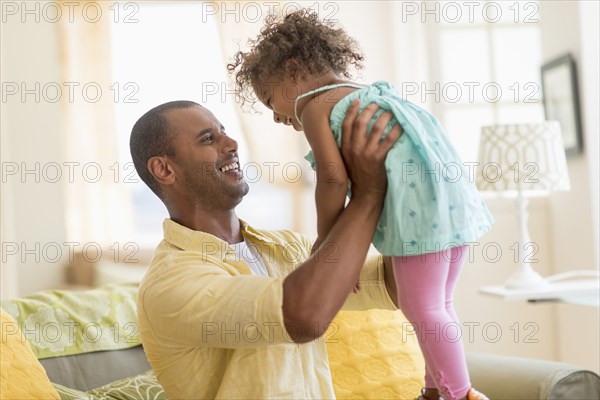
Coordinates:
<point>189,239</point>
<point>249,231</point>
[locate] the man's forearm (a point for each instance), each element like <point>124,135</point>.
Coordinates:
<point>315,291</point>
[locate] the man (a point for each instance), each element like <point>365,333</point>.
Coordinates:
<point>230,311</point>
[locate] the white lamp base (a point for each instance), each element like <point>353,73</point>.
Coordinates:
<point>525,278</point>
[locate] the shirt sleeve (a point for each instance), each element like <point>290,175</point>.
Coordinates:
<point>188,302</point>
<point>372,293</point>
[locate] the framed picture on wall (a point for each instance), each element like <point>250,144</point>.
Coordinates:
<point>561,100</point>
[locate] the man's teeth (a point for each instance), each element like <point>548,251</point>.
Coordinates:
<point>230,167</point>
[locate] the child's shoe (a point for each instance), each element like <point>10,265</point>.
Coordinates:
<point>471,395</point>
<point>475,395</point>
<point>422,396</point>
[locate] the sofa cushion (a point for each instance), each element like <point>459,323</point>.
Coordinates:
<point>63,322</point>
<point>140,387</point>
<point>67,393</point>
<point>374,355</point>
<point>143,386</point>
<point>21,374</point>
<point>90,370</point>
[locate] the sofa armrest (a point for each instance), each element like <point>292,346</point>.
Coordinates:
<point>129,266</point>
<point>515,378</point>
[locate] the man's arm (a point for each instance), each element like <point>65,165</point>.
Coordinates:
<point>314,293</point>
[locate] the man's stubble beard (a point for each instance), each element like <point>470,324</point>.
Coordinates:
<point>209,188</point>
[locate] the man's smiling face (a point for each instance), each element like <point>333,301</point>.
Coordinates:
<point>205,159</point>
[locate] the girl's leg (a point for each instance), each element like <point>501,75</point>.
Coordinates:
<point>422,281</point>
<point>456,258</point>
<point>430,383</point>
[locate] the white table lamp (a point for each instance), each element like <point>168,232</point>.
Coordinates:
<point>524,159</point>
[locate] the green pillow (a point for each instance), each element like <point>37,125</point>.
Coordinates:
<point>67,322</point>
<point>66,393</point>
<point>140,387</point>
<point>143,386</point>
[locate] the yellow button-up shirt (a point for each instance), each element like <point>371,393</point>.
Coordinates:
<point>212,329</point>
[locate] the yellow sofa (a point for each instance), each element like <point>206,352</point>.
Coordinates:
<point>88,345</point>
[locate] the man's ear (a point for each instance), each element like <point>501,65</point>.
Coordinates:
<point>161,170</point>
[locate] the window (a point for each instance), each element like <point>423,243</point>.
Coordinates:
<point>486,70</point>
<point>172,52</point>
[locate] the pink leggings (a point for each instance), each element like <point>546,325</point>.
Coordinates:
<point>425,293</point>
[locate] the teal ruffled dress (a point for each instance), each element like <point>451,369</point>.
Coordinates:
<point>431,203</point>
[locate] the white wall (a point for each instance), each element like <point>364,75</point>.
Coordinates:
<point>31,128</point>
<point>574,214</point>
<point>502,327</point>
<point>589,67</point>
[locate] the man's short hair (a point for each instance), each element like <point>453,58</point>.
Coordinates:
<point>150,137</point>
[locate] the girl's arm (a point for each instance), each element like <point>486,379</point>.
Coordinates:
<point>316,290</point>
<point>332,179</point>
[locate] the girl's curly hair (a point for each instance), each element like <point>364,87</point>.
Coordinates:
<point>315,46</point>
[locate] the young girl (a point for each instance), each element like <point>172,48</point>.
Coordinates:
<point>298,68</point>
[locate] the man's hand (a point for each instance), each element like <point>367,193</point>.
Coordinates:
<point>364,156</point>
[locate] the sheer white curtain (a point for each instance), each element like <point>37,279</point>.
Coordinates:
<point>276,151</point>
<point>8,271</point>
<point>179,50</point>
<point>98,207</point>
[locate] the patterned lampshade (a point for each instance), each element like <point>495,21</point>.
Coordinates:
<point>523,157</point>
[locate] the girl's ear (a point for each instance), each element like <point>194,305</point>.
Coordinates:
<point>292,69</point>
